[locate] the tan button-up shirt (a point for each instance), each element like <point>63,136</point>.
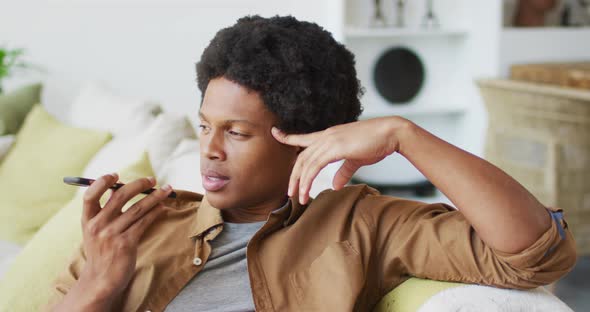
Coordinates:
<point>341,252</point>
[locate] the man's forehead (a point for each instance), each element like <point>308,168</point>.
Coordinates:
<point>226,100</point>
<point>227,119</point>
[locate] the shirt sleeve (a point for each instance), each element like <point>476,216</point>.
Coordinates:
<point>435,241</point>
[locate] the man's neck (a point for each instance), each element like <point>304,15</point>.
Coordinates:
<point>252,214</point>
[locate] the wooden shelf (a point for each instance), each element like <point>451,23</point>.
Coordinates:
<point>410,110</point>
<point>389,32</point>
<point>574,30</point>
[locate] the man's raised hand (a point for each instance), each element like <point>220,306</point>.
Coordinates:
<point>358,143</point>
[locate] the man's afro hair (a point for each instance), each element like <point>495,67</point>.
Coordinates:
<point>304,76</point>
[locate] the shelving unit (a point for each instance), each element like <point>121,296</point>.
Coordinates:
<point>453,56</point>
<point>441,50</point>
<point>390,32</point>
<point>416,111</point>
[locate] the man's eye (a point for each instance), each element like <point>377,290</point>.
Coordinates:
<point>203,128</point>
<point>236,133</point>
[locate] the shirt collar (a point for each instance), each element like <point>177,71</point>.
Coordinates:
<point>208,217</point>
<point>296,210</point>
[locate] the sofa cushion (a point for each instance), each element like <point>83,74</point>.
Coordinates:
<point>98,107</point>
<point>486,298</point>
<point>422,295</point>
<point>183,168</point>
<point>411,294</point>
<point>8,251</point>
<point>27,283</point>
<point>159,138</point>
<point>6,142</point>
<point>31,187</point>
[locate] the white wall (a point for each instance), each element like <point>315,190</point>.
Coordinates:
<point>481,57</point>
<point>521,45</point>
<point>146,49</point>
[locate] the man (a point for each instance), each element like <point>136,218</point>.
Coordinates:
<point>280,102</point>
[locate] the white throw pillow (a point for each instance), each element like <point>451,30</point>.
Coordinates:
<point>182,170</point>
<point>159,139</point>
<point>5,145</point>
<point>490,299</point>
<point>97,107</point>
<point>164,135</point>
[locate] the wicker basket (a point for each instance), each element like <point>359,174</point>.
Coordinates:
<point>540,135</point>
<point>573,75</point>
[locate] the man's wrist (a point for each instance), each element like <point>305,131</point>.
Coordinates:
<point>402,130</point>
<point>83,298</point>
<point>88,296</point>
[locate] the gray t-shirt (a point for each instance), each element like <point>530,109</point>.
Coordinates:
<point>223,285</point>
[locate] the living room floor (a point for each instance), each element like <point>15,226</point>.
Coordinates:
<point>574,288</point>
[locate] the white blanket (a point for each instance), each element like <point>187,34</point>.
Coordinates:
<point>487,299</point>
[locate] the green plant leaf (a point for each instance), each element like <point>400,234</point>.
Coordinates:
<point>11,62</point>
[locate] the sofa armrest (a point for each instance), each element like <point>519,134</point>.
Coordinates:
<point>420,295</point>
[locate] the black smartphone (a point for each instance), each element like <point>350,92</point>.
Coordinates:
<point>78,181</point>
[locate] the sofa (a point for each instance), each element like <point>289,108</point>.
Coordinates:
<point>101,131</point>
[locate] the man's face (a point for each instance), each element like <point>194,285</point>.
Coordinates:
<point>242,165</point>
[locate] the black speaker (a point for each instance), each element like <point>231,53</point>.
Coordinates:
<point>398,75</point>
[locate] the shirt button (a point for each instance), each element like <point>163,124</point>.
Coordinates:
<point>197,261</point>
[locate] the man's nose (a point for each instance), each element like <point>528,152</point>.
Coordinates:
<point>212,145</point>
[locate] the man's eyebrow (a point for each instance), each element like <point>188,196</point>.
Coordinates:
<point>229,121</point>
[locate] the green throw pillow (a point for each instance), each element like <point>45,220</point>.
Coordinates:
<point>31,187</point>
<point>411,295</point>
<point>15,106</point>
<point>26,286</point>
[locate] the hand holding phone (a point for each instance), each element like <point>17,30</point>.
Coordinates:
<point>79,181</point>
<point>111,238</point>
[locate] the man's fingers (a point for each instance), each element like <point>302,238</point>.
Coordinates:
<point>296,172</point>
<point>303,140</point>
<point>306,182</point>
<point>311,168</point>
<point>137,229</point>
<point>344,174</point>
<point>140,209</point>
<point>93,194</point>
<point>121,196</point>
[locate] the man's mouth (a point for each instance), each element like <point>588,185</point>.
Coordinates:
<point>213,181</point>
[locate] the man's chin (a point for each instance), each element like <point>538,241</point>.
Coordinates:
<point>218,200</point>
